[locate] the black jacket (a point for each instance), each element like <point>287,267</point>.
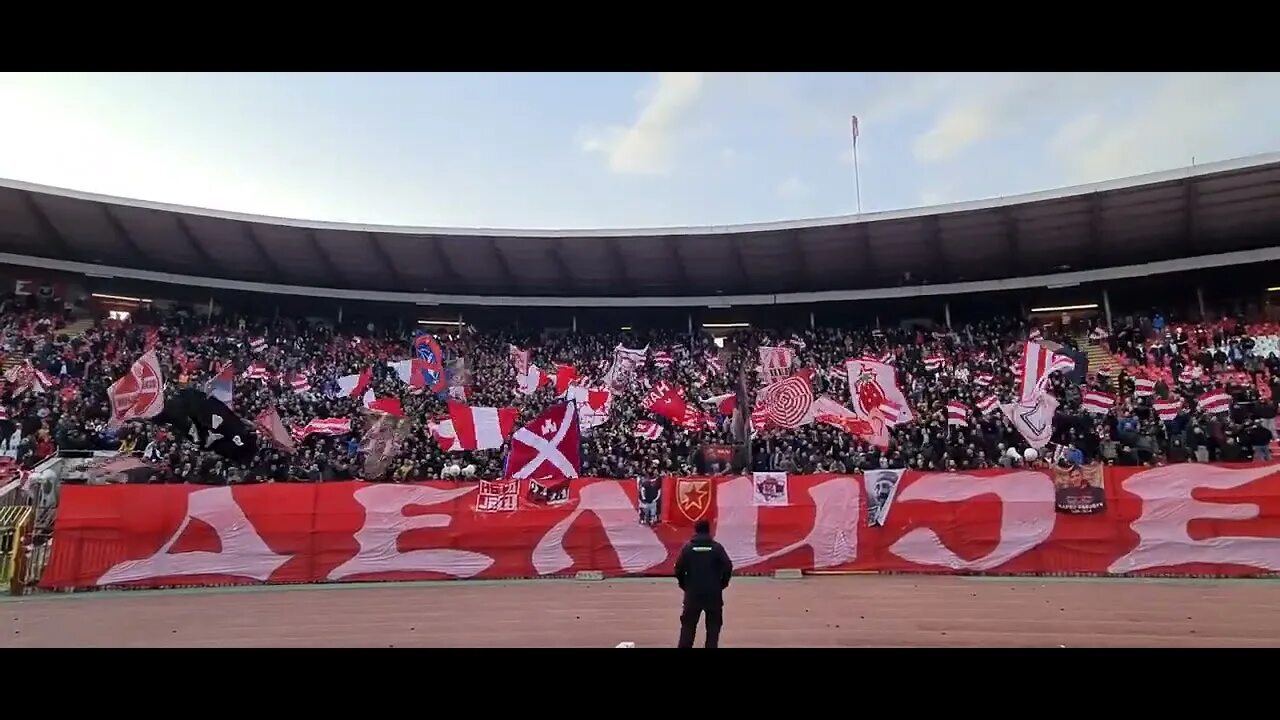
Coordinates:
<point>703,569</point>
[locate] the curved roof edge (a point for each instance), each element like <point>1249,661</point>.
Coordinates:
<point>1065,279</point>
<point>1042,195</point>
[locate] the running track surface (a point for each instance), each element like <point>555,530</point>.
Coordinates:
<point>847,611</point>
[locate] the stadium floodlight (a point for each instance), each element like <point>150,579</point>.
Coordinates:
<point>725,326</point>
<point>625,328</point>
<point>445,323</point>
<point>1273,289</point>
<point>1066,308</point>
<point>123,298</point>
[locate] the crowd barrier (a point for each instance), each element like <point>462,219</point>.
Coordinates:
<point>1185,519</point>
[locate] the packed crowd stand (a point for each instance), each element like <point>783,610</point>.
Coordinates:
<point>1184,360</point>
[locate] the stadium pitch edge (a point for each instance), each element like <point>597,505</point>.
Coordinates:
<point>811,576</point>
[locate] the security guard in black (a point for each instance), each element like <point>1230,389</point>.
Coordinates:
<point>703,571</point>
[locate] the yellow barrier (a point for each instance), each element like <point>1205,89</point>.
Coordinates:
<point>14,522</point>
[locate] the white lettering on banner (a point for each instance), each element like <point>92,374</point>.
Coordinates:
<point>1026,517</point>
<point>385,521</point>
<point>244,553</point>
<point>833,537</point>
<point>1168,507</point>
<point>637,545</point>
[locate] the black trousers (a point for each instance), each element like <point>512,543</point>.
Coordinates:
<point>693,609</point>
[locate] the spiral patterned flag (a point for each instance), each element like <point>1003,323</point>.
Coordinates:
<point>786,402</point>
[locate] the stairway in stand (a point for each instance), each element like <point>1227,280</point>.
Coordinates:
<point>1099,358</point>
<point>77,327</point>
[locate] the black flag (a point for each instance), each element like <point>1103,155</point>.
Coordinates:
<point>211,425</point>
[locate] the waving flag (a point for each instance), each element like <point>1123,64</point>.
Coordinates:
<point>548,447</point>
<point>355,385</point>
<point>140,394</point>
<point>647,429</point>
<point>222,385</point>
<point>957,414</point>
<point>1167,410</point>
<point>269,424</point>
<point>1098,402</point>
<point>481,428</point>
<point>1037,364</point>
<point>1143,387</point>
<point>431,371</point>
<point>324,426</point>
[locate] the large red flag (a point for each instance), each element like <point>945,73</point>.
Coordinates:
<point>548,448</point>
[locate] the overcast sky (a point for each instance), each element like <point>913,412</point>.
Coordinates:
<point>612,150</point>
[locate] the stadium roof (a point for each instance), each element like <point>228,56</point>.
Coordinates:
<point>1224,207</point>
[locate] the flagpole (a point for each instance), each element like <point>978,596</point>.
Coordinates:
<point>857,182</point>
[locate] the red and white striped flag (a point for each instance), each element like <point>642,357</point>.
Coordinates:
<point>983,379</point>
<point>257,372</point>
<point>957,414</point>
<point>1167,409</point>
<point>934,362</point>
<point>662,359</point>
<point>1098,402</point>
<point>324,426</point>
<point>257,344</point>
<point>892,412</point>
<point>1214,401</point>
<point>1189,374</point>
<point>1037,364</point>
<point>299,383</point>
<point>988,403</point>
<point>647,429</point>
<point>481,428</point>
<point>1143,387</point>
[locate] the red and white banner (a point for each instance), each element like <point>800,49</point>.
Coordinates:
<point>787,403</point>
<point>269,424</point>
<point>626,363</point>
<point>1185,519</point>
<point>355,385</point>
<point>140,394</point>
<point>1143,387</point>
<point>957,414</point>
<point>647,429</point>
<point>257,372</point>
<point>875,393</point>
<point>988,403</point>
<point>775,363</point>
<point>1214,401</point>
<point>668,400</point>
<point>594,405</point>
<point>481,428</point>
<point>1033,420</point>
<point>1037,364</point>
<point>324,426</point>
<point>1167,410</point>
<point>1097,402</point>
<point>934,362</point>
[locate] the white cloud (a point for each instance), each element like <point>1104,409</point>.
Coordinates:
<point>1207,116</point>
<point>793,187</point>
<point>648,145</point>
